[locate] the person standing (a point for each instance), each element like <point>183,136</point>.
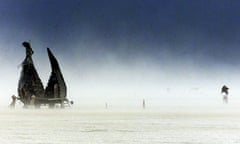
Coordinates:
<point>224,92</point>
<point>12,105</point>
<point>143,104</point>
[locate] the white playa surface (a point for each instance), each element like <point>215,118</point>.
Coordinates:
<point>163,126</point>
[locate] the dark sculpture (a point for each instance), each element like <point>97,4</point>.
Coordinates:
<point>30,87</point>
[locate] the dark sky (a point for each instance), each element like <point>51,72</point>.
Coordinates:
<point>199,32</point>
<point>206,28</point>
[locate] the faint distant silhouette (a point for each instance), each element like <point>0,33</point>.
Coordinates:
<point>12,105</point>
<point>224,92</point>
<point>143,104</point>
<point>106,105</point>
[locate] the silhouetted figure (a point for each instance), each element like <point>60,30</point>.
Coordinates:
<point>14,98</point>
<point>143,104</point>
<point>29,51</point>
<point>224,92</point>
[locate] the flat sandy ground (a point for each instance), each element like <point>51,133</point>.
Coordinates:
<point>160,126</point>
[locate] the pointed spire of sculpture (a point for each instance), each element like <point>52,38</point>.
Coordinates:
<point>56,87</point>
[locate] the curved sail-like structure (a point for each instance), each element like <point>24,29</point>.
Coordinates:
<point>56,89</point>
<point>29,84</point>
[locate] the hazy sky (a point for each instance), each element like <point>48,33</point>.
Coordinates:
<point>125,49</point>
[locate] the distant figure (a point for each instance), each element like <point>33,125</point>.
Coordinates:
<point>12,105</point>
<point>224,92</point>
<point>143,104</point>
<point>106,105</point>
<point>32,101</point>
